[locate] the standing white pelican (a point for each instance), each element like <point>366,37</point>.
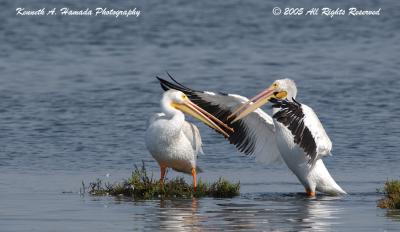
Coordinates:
<point>294,134</point>
<point>174,142</point>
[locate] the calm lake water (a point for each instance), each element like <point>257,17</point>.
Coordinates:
<point>76,92</point>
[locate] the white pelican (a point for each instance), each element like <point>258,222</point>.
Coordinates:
<point>293,134</point>
<point>174,142</point>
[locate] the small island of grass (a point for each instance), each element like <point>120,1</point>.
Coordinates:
<point>392,195</point>
<point>141,186</point>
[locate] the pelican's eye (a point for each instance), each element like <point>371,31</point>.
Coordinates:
<point>184,97</point>
<point>275,85</point>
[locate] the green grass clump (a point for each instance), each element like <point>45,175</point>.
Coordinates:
<point>141,186</point>
<point>392,195</point>
<point>219,189</point>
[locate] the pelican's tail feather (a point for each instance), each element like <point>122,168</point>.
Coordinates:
<point>324,181</point>
<point>331,188</point>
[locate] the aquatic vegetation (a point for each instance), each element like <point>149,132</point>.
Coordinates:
<point>141,186</point>
<point>391,191</point>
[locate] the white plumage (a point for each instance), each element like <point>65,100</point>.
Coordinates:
<point>311,121</point>
<point>172,141</point>
<point>293,134</point>
<point>310,171</point>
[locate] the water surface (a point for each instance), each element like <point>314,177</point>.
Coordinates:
<point>75,94</point>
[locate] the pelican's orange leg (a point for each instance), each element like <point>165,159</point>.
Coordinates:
<point>310,193</point>
<point>194,178</point>
<point>163,170</point>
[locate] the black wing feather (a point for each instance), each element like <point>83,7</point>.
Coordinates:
<point>291,115</point>
<point>242,138</point>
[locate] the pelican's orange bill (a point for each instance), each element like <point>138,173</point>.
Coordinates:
<point>194,110</point>
<point>212,117</point>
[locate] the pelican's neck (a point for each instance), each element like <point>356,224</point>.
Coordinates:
<point>175,116</point>
<point>292,94</point>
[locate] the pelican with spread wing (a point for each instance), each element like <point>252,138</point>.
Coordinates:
<point>174,142</point>
<point>293,134</point>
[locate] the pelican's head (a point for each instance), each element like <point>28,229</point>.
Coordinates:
<point>179,101</point>
<point>280,89</point>
<point>285,88</point>
<point>175,96</point>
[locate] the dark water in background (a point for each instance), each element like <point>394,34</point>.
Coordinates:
<point>75,94</point>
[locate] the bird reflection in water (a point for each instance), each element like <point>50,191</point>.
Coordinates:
<point>179,215</point>
<point>261,212</point>
<point>294,212</point>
